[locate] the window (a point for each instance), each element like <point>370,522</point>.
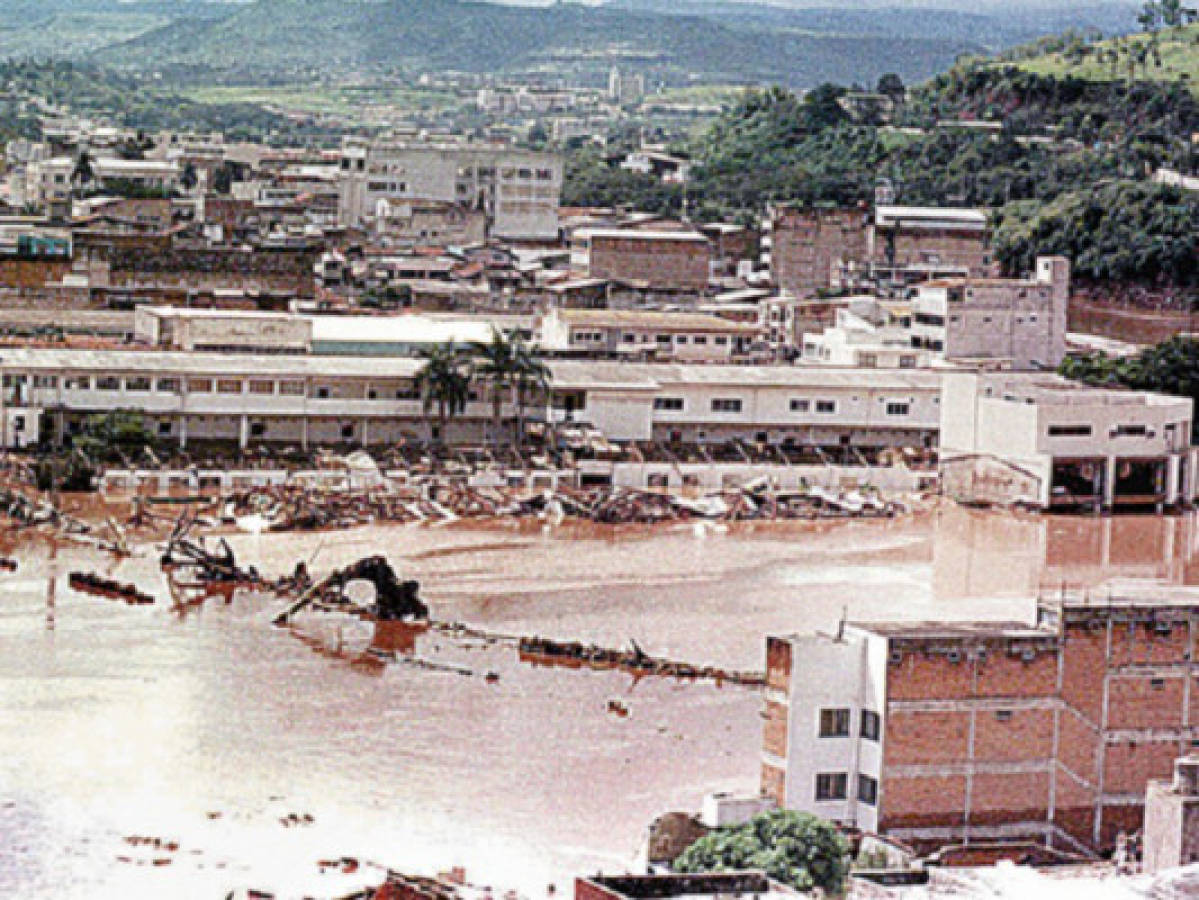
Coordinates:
<point>831,785</point>
<point>228,386</point>
<point>699,339</point>
<point>168,386</point>
<point>1131,430</point>
<point>680,338</point>
<point>262,387</point>
<point>870,725</point>
<point>164,428</point>
<point>898,409</point>
<point>77,383</point>
<point>628,337</point>
<point>672,404</point>
<point>867,790</point>
<point>721,341</point>
<point>868,360</point>
<point>907,361</point>
<point>347,432</point>
<point>108,383</point>
<point>662,338</point>
<point>45,381</point>
<point>726,404</point>
<point>798,405</point>
<point>257,429</point>
<point>1069,430</point>
<point>826,406</point>
<point>1003,715</point>
<point>834,723</point>
<point>322,392</point>
<point>200,385</point>
<point>291,388</point>
<point>138,383</point>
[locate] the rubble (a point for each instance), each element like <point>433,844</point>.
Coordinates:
<point>549,652</point>
<point>90,583</point>
<point>394,599</point>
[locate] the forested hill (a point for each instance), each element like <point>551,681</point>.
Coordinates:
<point>339,35</point>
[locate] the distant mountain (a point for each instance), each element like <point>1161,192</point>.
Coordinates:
<point>430,35</point>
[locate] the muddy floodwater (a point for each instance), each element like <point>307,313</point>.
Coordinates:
<point>250,756</point>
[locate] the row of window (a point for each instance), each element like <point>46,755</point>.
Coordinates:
<point>144,384</point>
<point>798,405</point>
<point>629,337</point>
<point>835,723</point>
<point>1085,431</point>
<point>835,786</point>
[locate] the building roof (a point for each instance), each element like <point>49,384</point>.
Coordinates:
<point>647,235</point>
<point>403,329</point>
<point>931,217</point>
<point>662,321</point>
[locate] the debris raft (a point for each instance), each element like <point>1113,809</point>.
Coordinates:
<point>544,651</point>
<point>28,511</point>
<point>395,600</point>
<point>90,583</point>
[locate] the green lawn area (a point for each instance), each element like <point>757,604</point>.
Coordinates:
<point>1178,48</point>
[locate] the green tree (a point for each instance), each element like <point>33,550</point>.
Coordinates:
<point>188,178</point>
<point>496,364</point>
<point>891,85</point>
<point>793,847</point>
<point>444,383</point>
<point>84,172</point>
<point>532,379</point>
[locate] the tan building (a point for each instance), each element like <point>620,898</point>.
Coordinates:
<point>807,245</point>
<point>671,261</point>
<point>906,236</point>
<point>939,734</point>
<point>685,337</point>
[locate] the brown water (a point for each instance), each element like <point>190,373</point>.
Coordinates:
<point>207,729</point>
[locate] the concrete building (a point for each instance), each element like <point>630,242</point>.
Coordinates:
<point>517,189</point>
<point>867,334</point>
<point>1044,441</point>
<point>942,733</point>
<point>677,336</point>
<point>1019,322</point>
<point>903,236</point>
<point>363,400</point>
<point>808,244</point>
<point>668,261</point>
<point>1171,836</point>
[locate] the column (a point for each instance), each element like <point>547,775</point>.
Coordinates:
<point>366,433</point>
<point>1109,482</point>
<point>243,437</point>
<point>183,432</point>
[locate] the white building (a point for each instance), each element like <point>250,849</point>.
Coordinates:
<point>1020,322</point>
<point>306,399</point>
<point>684,337</point>
<point>867,336</point>
<point>518,189</point>
<point>1048,442</point>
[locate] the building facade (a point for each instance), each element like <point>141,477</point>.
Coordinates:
<point>947,733</point>
<point>517,189</point>
<point>808,244</point>
<point>671,261</point>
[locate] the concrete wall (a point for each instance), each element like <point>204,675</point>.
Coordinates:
<point>720,476</point>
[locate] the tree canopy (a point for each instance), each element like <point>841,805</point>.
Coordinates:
<point>793,847</point>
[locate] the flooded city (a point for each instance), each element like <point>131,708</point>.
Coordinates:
<point>193,751</point>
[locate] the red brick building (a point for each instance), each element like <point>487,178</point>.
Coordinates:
<point>807,244</point>
<point>940,734</point>
<point>672,261</point>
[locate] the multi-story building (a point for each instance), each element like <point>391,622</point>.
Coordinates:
<point>1044,441</point>
<point>517,189</point>
<point>361,399</point>
<point>1020,322</point>
<point>685,337</point>
<point>667,261</point>
<point>904,236</point>
<point>941,733</point>
<point>808,244</point>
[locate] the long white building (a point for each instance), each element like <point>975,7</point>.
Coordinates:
<point>310,399</point>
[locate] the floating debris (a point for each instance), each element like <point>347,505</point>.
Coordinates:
<point>90,583</point>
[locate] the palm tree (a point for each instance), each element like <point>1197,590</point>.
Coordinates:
<point>496,363</point>
<point>532,377</point>
<point>444,382</point>
<point>83,173</point>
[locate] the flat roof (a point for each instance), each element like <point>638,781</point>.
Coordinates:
<point>638,318</point>
<point>413,329</point>
<point>931,216</point>
<point>648,235</point>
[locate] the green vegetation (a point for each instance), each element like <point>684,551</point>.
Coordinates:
<point>1170,368</point>
<point>1170,54</point>
<point>795,848</point>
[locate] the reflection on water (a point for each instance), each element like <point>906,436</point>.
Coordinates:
<point>212,729</point>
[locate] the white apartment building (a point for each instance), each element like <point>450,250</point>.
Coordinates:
<point>682,337</point>
<point>1047,442</point>
<point>1019,322</point>
<point>518,189</point>
<point>865,339</point>
<point>313,399</point>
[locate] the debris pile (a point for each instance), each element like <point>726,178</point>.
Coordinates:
<point>394,600</point>
<point>297,507</point>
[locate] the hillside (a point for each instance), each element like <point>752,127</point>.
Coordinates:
<point>1167,55</point>
<point>336,36</point>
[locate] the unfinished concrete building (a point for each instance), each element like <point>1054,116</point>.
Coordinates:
<point>940,734</point>
<point>808,244</point>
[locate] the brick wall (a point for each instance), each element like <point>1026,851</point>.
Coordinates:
<point>662,264</point>
<point>774,731</point>
<point>806,242</point>
<point>31,273</point>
